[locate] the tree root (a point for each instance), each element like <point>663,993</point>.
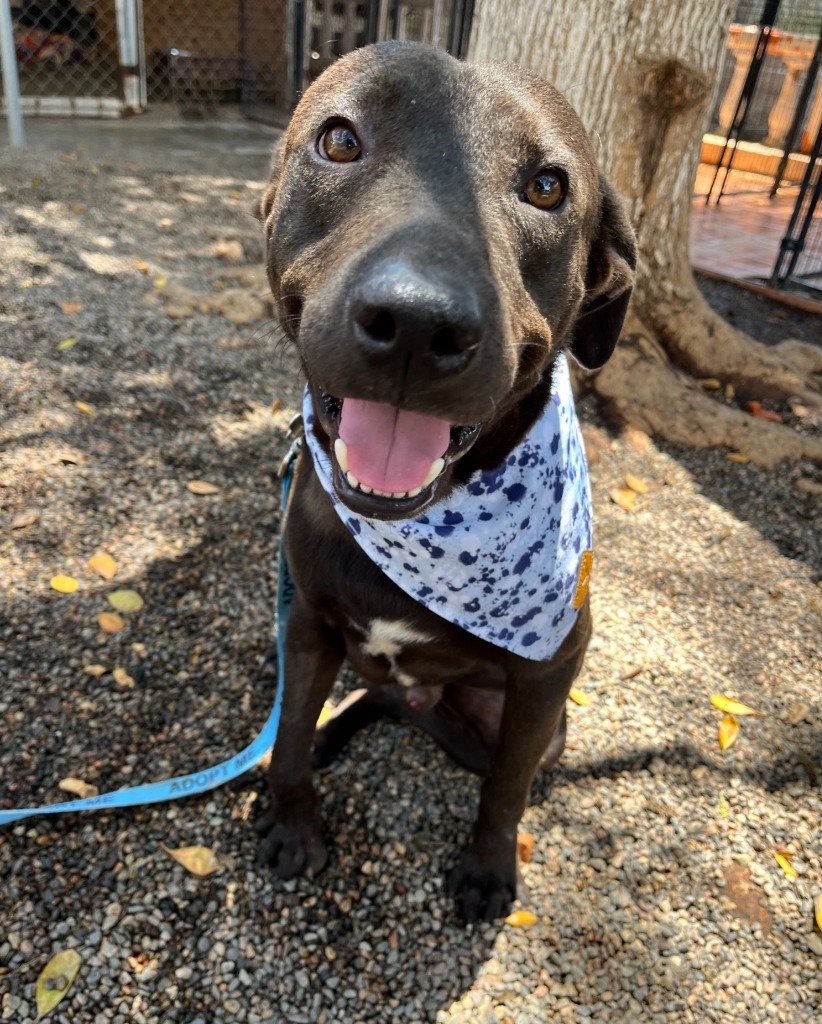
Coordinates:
<point>697,340</point>
<point>639,387</point>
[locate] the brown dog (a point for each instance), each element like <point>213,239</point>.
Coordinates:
<point>437,235</point>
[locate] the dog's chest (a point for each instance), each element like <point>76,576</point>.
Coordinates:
<point>395,643</point>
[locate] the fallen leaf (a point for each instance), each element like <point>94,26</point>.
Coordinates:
<point>56,979</point>
<point>125,600</point>
<point>110,622</point>
<point>79,788</point>
<point>632,673</point>
<point>142,266</point>
<point>624,497</point>
<point>166,222</point>
<point>579,697</point>
<point>96,670</point>
<point>138,648</point>
<point>23,520</point>
<point>636,484</point>
<point>122,678</point>
<point>711,383</point>
<point>67,343</point>
<point>199,860</point>
<point>739,457</point>
<point>797,713</point>
<point>637,439</point>
<point>756,409</point>
<point>732,707</point>
<point>103,564</point>
<point>71,307</point>
<point>724,807</point>
<point>202,487</point>
<point>160,282</point>
<point>817,911</point>
<point>276,405</point>
<point>521,919</point>
<point>64,584</point>
<point>525,846</point>
<point>728,731</point>
<point>84,407</point>
<point>783,859</point>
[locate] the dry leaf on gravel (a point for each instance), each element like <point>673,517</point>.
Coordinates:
<point>632,673</point>
<point>142,266</point>
<point>521,919</point>
<point>636,484</point>
<point>84,407</point>
<point>579,697</point>
<point>56,979</point>
<point>732,707</point>
<point>738,457</point>
<point>125,600</point>
<point>817,911</point>
<point>63,584</point>
<point>711,383</point>
<point>24,519</point>
<point>160,282</point>
<point>756,409</point>
<point>66,343</point>
<point>103,564</point>
<point>199,860</point>
<point>798,713</point>
<point>122,678</point>
<point>783,859</point>
<point>96,670</point>
<point>728,731</point>
<point>84,790</point>
<point>71,308</point>
<point>624,497</point>
<point>202,487</point>
<point>525,846</point>
<point>110,622</point>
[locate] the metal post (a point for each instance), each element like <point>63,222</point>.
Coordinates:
<point>11,83</point>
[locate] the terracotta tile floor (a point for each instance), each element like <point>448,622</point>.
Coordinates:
<point>740,237</point>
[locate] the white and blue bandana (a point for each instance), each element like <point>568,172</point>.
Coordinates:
<point>506,556</point>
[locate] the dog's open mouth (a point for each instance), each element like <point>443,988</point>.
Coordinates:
<point>388,461</point>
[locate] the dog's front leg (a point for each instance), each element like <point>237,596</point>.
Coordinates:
<point>485,879</point>
<point>292,837</point>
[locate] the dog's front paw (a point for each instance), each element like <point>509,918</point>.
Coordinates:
<point>291,849</point>
<point>483,887</point>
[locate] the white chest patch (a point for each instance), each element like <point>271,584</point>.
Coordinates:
<point>388,639</point>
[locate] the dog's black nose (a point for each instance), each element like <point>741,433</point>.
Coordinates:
<point>399,311</point>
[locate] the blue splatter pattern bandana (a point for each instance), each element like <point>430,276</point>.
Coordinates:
<point>506,556</point>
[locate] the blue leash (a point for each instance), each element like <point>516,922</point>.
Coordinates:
<point>209,778</point>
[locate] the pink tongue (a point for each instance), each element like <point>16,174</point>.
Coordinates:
<point>390,449</point>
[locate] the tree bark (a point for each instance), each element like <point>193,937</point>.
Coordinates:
<point>642,76</point>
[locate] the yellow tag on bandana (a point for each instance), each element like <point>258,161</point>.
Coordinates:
<point>583,578</point>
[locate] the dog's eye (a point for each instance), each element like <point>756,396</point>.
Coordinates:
<point>545,190</point>
<point>339,144</point>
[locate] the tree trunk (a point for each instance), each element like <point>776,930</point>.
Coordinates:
<point>642,76</point>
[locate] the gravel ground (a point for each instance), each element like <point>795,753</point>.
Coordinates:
<point>656,894</point>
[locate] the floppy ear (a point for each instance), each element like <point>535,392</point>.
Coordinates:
<point>608,282</point>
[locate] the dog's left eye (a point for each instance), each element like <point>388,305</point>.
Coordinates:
<point>339,144</point>
<point>546,190</point>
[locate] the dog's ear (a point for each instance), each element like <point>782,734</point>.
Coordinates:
<point>609,279</point>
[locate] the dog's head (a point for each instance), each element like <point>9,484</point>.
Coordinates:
<point>436,233</point>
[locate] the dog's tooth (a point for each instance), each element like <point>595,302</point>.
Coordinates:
<point>437,466</point>
<point>341,451</point>
<point>364,489</point>
<point>352,480</point>
<point>415,492</point>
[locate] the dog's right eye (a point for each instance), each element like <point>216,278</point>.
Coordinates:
<point>339,144</point>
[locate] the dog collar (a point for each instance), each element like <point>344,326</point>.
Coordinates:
<point>505,556</point>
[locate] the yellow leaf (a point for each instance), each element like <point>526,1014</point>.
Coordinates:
<point>125,600</point>
<point>783,859</point>
<point>96,670</point>
<point>64,584</point>
<point>160,282</point>
<point>739,457</point>
<point>122,678</point>
<point>199,860</point>
<point>103,564</point>
<point>202,487</point>
<point>521,919</point>
<point>56,979</point>
<point>326,712</point>
<point>732,707</point>
<point>79,788</point>
<point>84,407</point>
<point>711,383</point>
<point>728,731</point>
<point>636,484</point>
<point>579,697</point>
<point>817,910</point>
<point>624,497</point>
<point>110,622</point>
<point>67,343</point>
<point>798,712</point>
<point>724,807</point>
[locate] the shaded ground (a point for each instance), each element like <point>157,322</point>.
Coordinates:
<point>759,316</point>
<point>653,881</point>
